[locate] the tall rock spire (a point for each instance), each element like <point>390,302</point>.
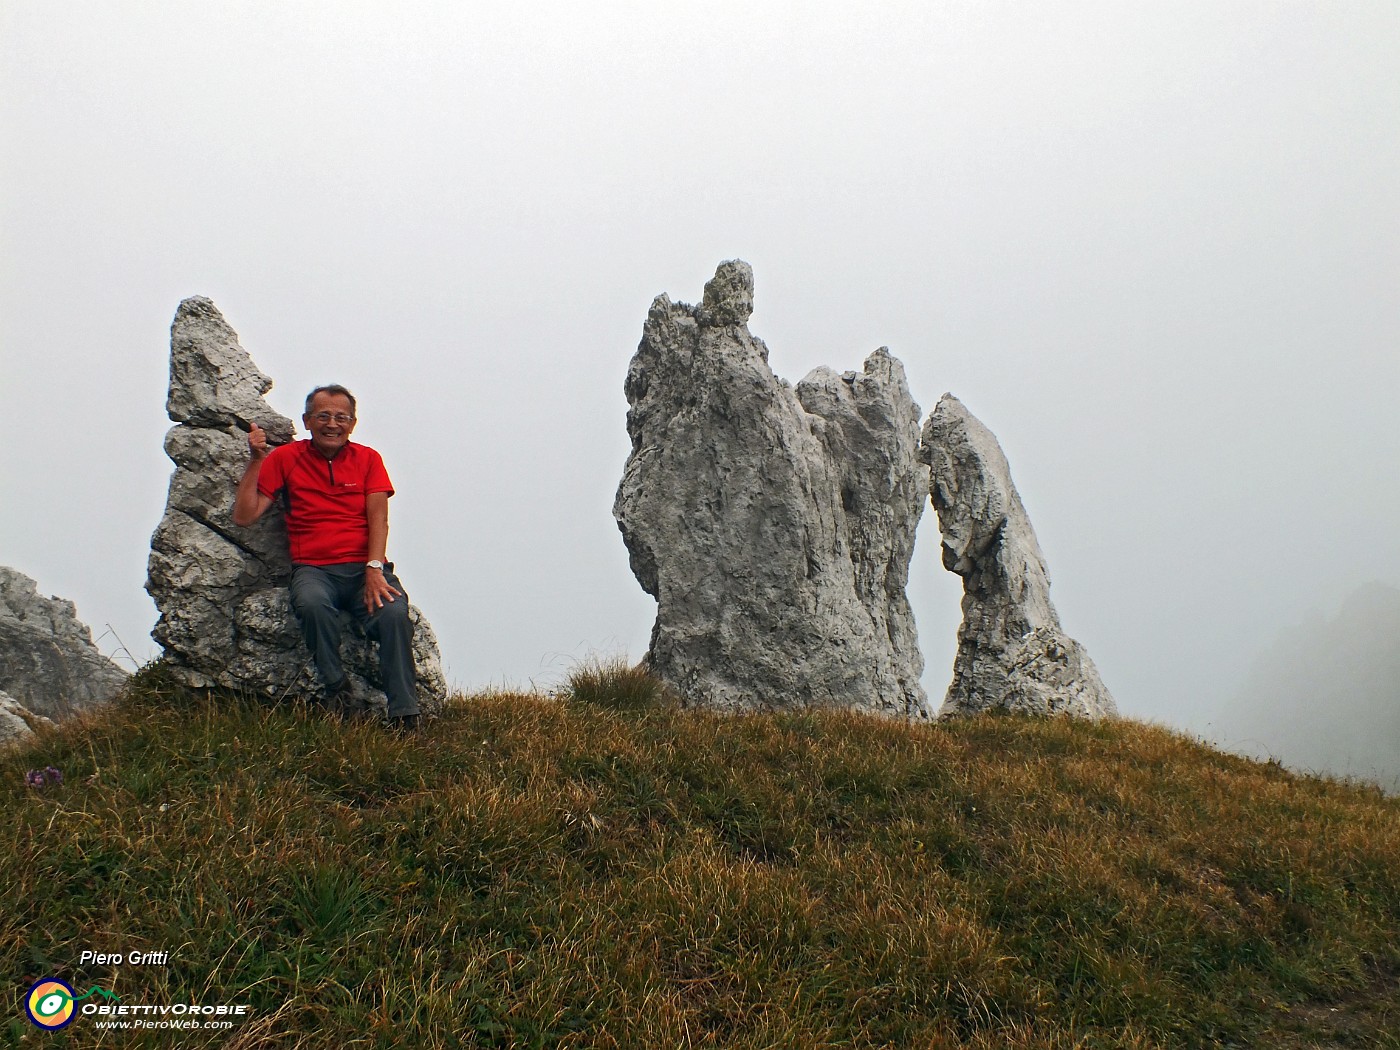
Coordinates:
<point>225,617</point>
<point>773,526</point>
<point>1012,653</point>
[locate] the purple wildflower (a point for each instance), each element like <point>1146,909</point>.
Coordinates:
<point>55,777</point>
<point>34,778</point>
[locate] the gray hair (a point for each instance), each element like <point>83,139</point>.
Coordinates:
<point>331,388</point>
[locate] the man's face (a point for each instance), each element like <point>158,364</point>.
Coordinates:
<point>330,421</point>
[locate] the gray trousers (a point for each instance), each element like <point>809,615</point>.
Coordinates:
<point>320,592</point>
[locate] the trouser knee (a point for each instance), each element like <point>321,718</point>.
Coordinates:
<point>317,614</point>
<point>392,617</point>
<point>311,589</point>
<point>313,600</point>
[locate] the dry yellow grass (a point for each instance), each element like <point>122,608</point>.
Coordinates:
<point>615,872</point>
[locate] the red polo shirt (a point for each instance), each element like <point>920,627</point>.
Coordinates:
<point>323,500</point>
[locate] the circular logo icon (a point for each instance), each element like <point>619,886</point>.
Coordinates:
<point>50,1003</point>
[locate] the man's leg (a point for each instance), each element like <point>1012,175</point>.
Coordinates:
<point>314,600</point>
<point>390,627</point>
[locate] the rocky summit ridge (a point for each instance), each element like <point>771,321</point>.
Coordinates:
<point>774,526</point>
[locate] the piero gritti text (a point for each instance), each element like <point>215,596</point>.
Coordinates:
<point>119,959</point>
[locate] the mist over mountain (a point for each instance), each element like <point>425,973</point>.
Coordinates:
<point>1325,695</point>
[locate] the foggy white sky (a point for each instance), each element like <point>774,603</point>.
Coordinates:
<point>1153,246</point>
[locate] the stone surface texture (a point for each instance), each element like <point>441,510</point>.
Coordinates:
<point>17,722</point>
<point>1012,653</point>
<point>773,525</point>
<point>225,617</point>
<point>48,662</point>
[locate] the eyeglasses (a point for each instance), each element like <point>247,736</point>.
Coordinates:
<point>340,418</point>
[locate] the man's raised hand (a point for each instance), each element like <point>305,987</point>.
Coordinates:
<point>248,503</point>
<point>257,441</point>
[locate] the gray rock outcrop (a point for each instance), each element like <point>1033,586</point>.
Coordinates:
<point>17,722</point>
<point>773,526</point>
<point>1012,653</point>
<point>48,662</point>
<point>225,619</point>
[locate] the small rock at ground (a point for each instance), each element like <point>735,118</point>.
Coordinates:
<point>17,722</point>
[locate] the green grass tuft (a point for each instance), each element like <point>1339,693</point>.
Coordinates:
<point>614,683</point>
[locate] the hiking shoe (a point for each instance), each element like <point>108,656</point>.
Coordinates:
<point>347,701</point>
<point>406,725</point>
<point>333,697</point>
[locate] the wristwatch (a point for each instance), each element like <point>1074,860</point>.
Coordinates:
<point>375,565</point>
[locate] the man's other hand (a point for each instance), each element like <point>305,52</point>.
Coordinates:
<point>257,441</point>
<point>377,590</point>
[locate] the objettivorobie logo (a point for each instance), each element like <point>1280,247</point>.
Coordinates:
<point>49,1003</point>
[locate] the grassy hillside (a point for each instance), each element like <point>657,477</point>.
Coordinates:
<point>613,872</point>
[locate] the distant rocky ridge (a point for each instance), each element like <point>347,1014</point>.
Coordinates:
<point>1012,653</point>
<point>774,526</point>
<point>225,617</point>
<point>1324,695</point>
<point>48,662</point>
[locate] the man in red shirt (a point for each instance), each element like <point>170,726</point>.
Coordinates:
<point>335,499</point>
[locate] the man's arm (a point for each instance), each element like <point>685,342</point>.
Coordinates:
<point>377,588</point>
<point>249,504</point>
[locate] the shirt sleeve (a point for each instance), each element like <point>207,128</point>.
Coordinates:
<point>272,475</point>
<point>376,477</point>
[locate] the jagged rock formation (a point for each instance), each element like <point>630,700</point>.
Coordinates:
<point>225,618</point>
<point>1012,653</point>
<point>48,662</point>
<point>773,526</point>
<point>17,722</point>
